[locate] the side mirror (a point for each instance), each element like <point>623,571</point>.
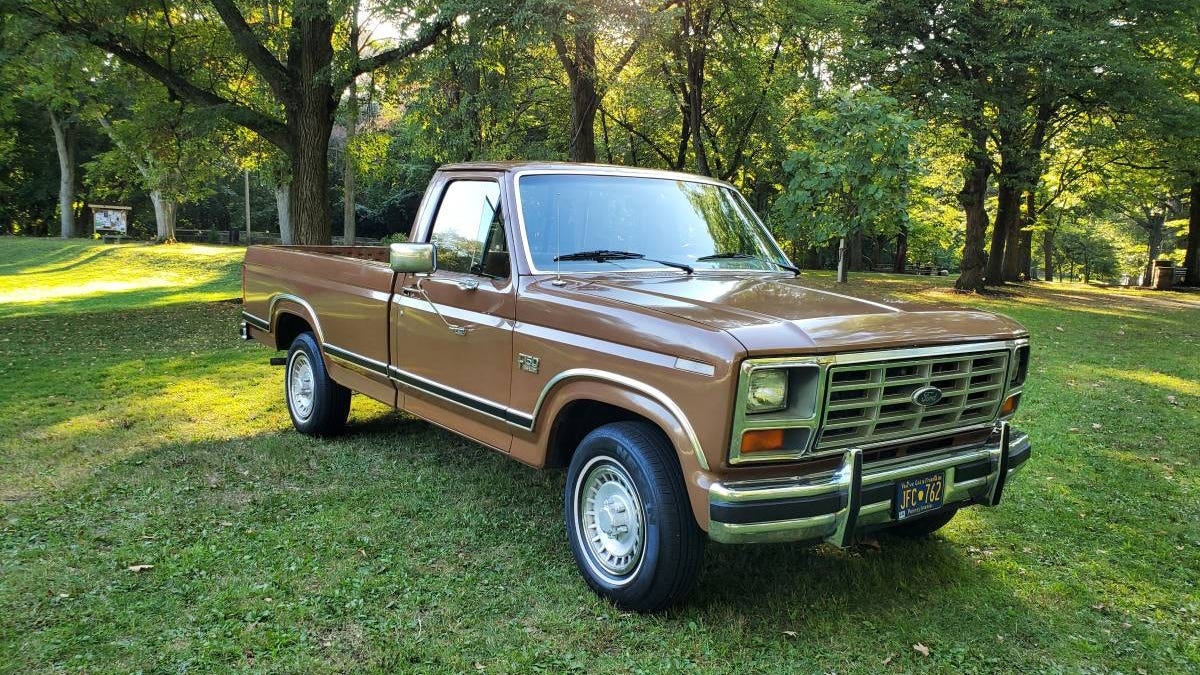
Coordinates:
<point>408,258</point>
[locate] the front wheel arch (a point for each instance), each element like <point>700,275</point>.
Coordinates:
<point>599,390</point>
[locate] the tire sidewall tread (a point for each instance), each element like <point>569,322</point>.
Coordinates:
<point>674,543</point>
<point>331,401</point>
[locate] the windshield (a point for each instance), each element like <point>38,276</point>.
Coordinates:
<point>697,225</point>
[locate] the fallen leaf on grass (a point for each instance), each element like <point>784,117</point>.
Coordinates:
<point>921,649</point>
<point>1059,329</point>
<point>790,633</point>
<point>139,568</point>
<point>1096,426</point>
<point>1172,400</point>
<point>888,659</point>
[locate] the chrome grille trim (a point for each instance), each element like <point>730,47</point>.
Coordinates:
<point>743,422</point>
<point>872,401</point>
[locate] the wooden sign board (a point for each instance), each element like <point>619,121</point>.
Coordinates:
<point>110,219</point>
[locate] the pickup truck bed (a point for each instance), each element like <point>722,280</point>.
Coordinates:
<point>344,290</point>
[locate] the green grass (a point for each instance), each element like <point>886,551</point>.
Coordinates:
<point>136,429</point>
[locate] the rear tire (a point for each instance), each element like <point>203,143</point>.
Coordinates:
<point>921,528</point>
<point>318,406</point>
<point>628,517</point>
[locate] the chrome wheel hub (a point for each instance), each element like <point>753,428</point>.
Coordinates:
<point>610,519</point>
<point>300,386</point>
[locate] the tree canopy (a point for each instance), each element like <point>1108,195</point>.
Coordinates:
<point>963,135</point>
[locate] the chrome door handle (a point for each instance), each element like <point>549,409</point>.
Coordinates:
<point>416,290</point>
<point>467,284</point>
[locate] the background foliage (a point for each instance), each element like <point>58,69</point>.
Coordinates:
<point>1041,119</point>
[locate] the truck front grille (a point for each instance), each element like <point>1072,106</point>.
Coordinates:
<point>873,402</point>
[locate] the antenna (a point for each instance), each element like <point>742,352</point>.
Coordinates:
<point>558,241</point>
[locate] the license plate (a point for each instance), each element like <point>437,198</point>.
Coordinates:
<point>920,494</point>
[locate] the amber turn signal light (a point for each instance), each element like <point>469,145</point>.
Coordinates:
<point>1010,405</point>
<point>762,440</point>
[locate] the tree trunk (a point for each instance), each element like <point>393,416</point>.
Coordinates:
<point>349,196</point>
<point>842,275</point>
<point>696,37</point>
<point>901,250</point>
<point>1192,260</point>
<point>1016,260</point>
<point>309,125</point>
<point>282,203</point>
<point>165,210</point>
<point>1008,214</point>
<point>584,99</point>
<point>1154,237</point>
<point>972,197</point>
<point>349,220</point>
<point>1025,254</point>
<point>1048,254</point>
<point>64,143</point>
<point>1023,246</point>
<point>856,251</point>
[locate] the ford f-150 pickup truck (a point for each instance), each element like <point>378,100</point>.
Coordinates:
<point>643,330</point>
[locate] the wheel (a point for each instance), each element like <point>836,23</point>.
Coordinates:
<point>628,518</point>
<point>318,405</point>
<point>924,526</point>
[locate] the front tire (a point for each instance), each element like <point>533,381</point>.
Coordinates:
<point>628,518</point>
<point>318,405</point>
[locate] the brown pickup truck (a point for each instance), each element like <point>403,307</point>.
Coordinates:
<point>643,330</point>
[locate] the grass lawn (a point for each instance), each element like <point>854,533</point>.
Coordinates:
<point>137,430</point>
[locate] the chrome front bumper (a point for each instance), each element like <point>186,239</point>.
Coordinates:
<point>832,507</point>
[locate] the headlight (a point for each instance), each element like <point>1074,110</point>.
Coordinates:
<point>767,391</point>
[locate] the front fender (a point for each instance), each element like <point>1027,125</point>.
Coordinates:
<point>630,395</point>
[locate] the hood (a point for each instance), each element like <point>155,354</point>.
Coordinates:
<point>773,315</point>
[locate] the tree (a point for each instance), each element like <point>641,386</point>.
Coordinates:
<point>55,73</point>
<point>168,148</point>
<point>1009,77</point>
<point>852,173</point>
<point>204,56</point>
<point>574,31</point>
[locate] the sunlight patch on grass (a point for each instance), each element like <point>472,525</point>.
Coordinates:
<point>1172,384</point>
<point>108,277</point>
<point>87,289</point>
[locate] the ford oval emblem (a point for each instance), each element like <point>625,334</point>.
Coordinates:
<point>927,396</point>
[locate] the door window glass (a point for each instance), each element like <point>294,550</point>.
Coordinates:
<point>469,231</point>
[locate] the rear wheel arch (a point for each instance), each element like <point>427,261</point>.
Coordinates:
<point>288,326</point>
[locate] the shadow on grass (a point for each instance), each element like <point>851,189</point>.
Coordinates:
<point>89,254</point>
<point>20,254</point>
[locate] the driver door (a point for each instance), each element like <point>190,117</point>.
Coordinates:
<point>452,330</point>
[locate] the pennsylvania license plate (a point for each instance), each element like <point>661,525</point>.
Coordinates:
<point>920,494</point>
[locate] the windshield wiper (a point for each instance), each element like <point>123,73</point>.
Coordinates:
<point>604,255</point>
<point>748,256</point>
